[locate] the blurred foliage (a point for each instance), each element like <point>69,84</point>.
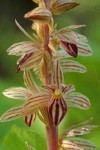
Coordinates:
<point>89,83</point>
<point>20,136</point>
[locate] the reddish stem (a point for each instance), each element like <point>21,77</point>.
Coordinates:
<point>52,130</point>
<point>52,137</point>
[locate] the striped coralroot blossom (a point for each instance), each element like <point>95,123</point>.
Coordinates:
<point>48,54</point>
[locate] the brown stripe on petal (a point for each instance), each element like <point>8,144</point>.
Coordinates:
<point>39,14</point>
<point>68,88</point>
<point>49,89</point>
<point>84,51</point>
<point>57,110</point>
<point>64,109</point>
<point>27,56</point>
<point>57,74</point>
<point>35,103</point>
<point>29,119</point>
<point>72,66</point>
<point>17,93</point>
<point>50,108</point>
<point>11,114</point>
<point>81,130</point>
<point>29,82</point>
<point>63,5</point>
<point>85,102</point>
<point>23,48</point>
<point>71,49</point>
<point>84,144</point>
<point>37,99</point>
<point>56,113</point>
<point>68,145</point>
<point>32,61</point>
<point>78,100</point>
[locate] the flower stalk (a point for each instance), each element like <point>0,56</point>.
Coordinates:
<point>48,55</point>
<point>52,137</point>
<point>51,129</point>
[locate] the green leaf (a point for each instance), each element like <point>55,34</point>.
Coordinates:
<point>16,138</point>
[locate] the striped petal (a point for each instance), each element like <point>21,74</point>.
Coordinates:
<point>70,48</point>
<point>57,110</point>
<point>67,89</point>
<point>62,54</point>
<point>68,41</point>
<point>80,130</point>
<point>29,60</point>
<point>68,145</point>
<point>77,100</point>
<point>17,93</point>
<point>57,74</point>
<point>84,144</point>
<point>23,48</point>
<point>11,114</point>
<point>35,103</point>
<point>29,119</point>
<point>67,35</point>
<point>72,66</point>
<point>39,14</point>
<point>63,5</point>
<point>29,82</point>
<point>83,48</point>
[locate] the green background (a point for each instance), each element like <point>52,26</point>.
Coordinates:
<point>89,83</point>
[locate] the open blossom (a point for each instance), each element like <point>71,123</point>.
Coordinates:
<point>62,96</point>
<point>69,139</point>
<point>32,93</point>
<point>32,56</point>
<point>57,97</point>
<point>30,52</point>
<point>73,43</point>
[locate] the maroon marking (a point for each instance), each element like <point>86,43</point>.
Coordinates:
<point>71,49</point>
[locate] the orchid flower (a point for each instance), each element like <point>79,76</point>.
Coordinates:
<point>31,93</point>
<point>73,43</point>
<point>62,96</point>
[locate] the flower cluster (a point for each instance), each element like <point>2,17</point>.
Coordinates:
<point>48,54</point>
